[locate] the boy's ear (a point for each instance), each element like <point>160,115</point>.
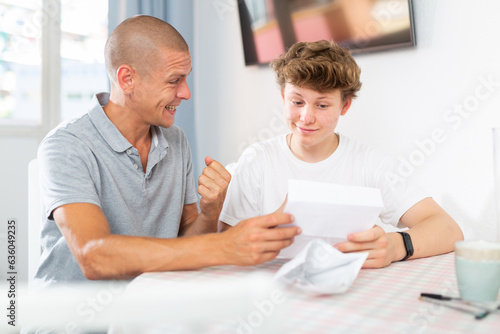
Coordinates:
<point>346,106</point>
<point>282,94</point>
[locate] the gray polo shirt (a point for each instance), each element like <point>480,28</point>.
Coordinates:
<point>88,160</point>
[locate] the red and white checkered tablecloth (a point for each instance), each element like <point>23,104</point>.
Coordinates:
<point>380,301</point>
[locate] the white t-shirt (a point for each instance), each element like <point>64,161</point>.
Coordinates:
<point>260,178</point>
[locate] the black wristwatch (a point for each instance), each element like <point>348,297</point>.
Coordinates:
<point>408,245</point>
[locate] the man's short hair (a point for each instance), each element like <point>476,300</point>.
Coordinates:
<point>136,42</point>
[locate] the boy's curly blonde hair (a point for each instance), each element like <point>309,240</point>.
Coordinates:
<point>321,66</point>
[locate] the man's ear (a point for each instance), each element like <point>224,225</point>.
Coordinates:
<point>125,76</point>
<point>346,106</point>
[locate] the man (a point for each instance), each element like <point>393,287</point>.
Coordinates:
<point>117,183</point>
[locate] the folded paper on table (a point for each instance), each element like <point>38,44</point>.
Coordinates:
<point>320,268</point>
<point>330,211</point>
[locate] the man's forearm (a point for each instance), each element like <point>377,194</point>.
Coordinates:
<point>120,257</point>
<point>103,255</point>
<point>251,242</point>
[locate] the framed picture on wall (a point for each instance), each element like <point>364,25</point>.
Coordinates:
<point>270,27</point>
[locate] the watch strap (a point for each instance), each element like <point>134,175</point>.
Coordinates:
<point>408,245</point>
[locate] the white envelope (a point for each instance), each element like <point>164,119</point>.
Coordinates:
<point>330,211</point>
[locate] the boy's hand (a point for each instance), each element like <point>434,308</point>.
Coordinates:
<point>380,246</point>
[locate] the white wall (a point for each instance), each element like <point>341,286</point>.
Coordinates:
<point>407,96</point>
<point>16,153</point>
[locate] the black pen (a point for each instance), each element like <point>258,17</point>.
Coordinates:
<point>477,315</point>
<point>448,298</point>
<point>438,297</point>
<point>485,310</point>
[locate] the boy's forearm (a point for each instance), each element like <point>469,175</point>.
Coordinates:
<point>435,235</point>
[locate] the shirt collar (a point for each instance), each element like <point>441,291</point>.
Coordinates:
<point>110,132</point>
<point>154,137</point>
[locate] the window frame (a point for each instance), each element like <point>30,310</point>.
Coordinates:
<point>50,104</point>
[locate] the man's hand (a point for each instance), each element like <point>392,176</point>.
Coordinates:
<point>224,227</point>
<point>256,240</point>
<point>382,247</point>
<point>212,186</point>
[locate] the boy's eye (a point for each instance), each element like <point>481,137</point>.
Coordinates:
<point>297,103</point>
<point>323,106</point>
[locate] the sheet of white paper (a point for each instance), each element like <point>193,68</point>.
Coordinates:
<point>320,268</point>
<point>330,211</point>
<point>301,242</point>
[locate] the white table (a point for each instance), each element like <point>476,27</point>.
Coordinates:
<point>380,301</point>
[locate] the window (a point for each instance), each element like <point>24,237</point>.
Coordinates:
<point>51,61</point>
<point>20,63</point>
<point>84,30</point>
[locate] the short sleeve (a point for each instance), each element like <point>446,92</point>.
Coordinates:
<point>244,195</point>
<point>399,192</point>
<point>66,173</point>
